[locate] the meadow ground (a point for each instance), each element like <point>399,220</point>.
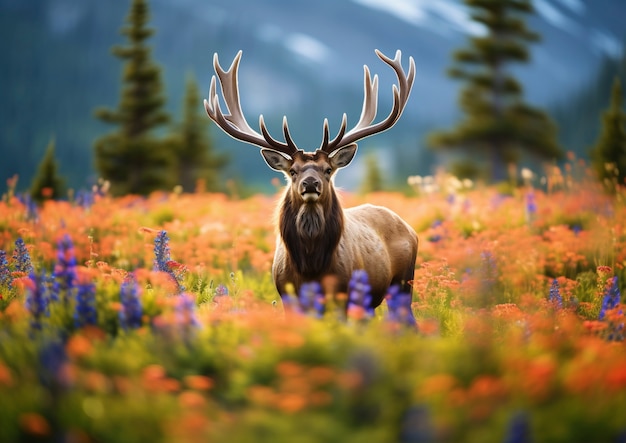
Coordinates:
<point>156,320</point>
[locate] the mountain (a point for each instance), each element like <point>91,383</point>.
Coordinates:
<point>301,59</point>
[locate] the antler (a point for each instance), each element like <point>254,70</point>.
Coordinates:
<point>235,124</point>
<point>365,128</point>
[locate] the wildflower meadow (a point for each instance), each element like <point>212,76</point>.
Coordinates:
<point>156,319</point>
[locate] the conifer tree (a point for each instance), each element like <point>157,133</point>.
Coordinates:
<point>132,158</point>
<point>498,127</point>
<point>373,180</point>
<point>196,159</point>
<point>608,156</point>
<point>47,183</point>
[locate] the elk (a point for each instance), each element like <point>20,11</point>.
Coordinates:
<point>316,236</point>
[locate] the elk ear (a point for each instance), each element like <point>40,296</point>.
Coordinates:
<point>276,160</point>
<point>343,156</point>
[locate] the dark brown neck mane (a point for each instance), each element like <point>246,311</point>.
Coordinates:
<point>311,233</point>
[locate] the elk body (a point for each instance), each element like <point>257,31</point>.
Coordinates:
<point>317,237</point>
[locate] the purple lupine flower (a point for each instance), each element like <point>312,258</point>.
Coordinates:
<point>31,206</point>
<point>21,257</point>
<point>555,295</point>
<point>131,313</point>
<point>85,312</point>
<point>37,299</point>
<point>434,238</point>
<point>611,298</point>
<point>85,198</point>
<point>5,273</point>
<point>52,359</point>
<point>311,298</point>
<point>221,290</point>
<point>319,303</point>
<point>290,302</point>
<point>399,307</point>
<point>161,252</point>
<point>417,425</point>
<point>163,261</point>
<point>518,429</point>
<point>531,204</point>
<point>64,270</point>
<point>186,318</point>
<point>359,292</point>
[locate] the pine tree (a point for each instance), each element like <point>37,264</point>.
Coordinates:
<point>609,153</point>
<point>196,159</point>
<point>47,183</point>
<point>132,158</point>
<point>498,126</point>
<point>373,180</point>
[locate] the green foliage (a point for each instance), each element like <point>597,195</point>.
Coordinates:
<point>498,126</point>
<point>47,184</point>
<point>373,180</point>
<point>132,158</point>
<point>467,169</point>
<point>197,163</point>
<point>609,153</point>
<point>136,165</point>
<point>577,113</point>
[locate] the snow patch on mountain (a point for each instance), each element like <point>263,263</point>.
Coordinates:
<point>576,6</point>
<point>307,47</point>
<point>553,15</point>
<point>440,17</point>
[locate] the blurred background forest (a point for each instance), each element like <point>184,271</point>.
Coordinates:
<point>301,59</point>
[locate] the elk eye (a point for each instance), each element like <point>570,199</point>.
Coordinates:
<point>292,172</point>
<point>329,171</point>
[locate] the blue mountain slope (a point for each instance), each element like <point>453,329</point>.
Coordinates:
<point>303,59</point>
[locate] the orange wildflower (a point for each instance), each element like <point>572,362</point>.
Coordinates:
<point>428,326</point>
<point>191,400</point>
<point>153,373</point>
<point>96,382</point>
<point>199,382</point>
<point>538,377</point>
<point>350,380</point>
<point>320,398</point>
<point>146,230</point>
<point>289,368</point>
<point>507,311</point>
<point>296,384</point>
<point>485,386</point>
<point>288,339</point>
<point>321,375</point>
<point>6,378</point>
<point>78,346</point>
<point>262,395</point>
<point>34,424</point>
<point>437,384</point>
<point>595,326</point>
<point>291,403</point>
<point>167,385</point>
<point>14,311</point>
<point>123,385</point>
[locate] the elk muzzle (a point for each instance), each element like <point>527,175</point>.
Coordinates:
<point>310,187</point>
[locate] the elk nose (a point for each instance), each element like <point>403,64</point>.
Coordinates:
<point>310,186</point>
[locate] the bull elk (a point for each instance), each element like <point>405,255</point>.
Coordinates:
<point>317,237</point>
